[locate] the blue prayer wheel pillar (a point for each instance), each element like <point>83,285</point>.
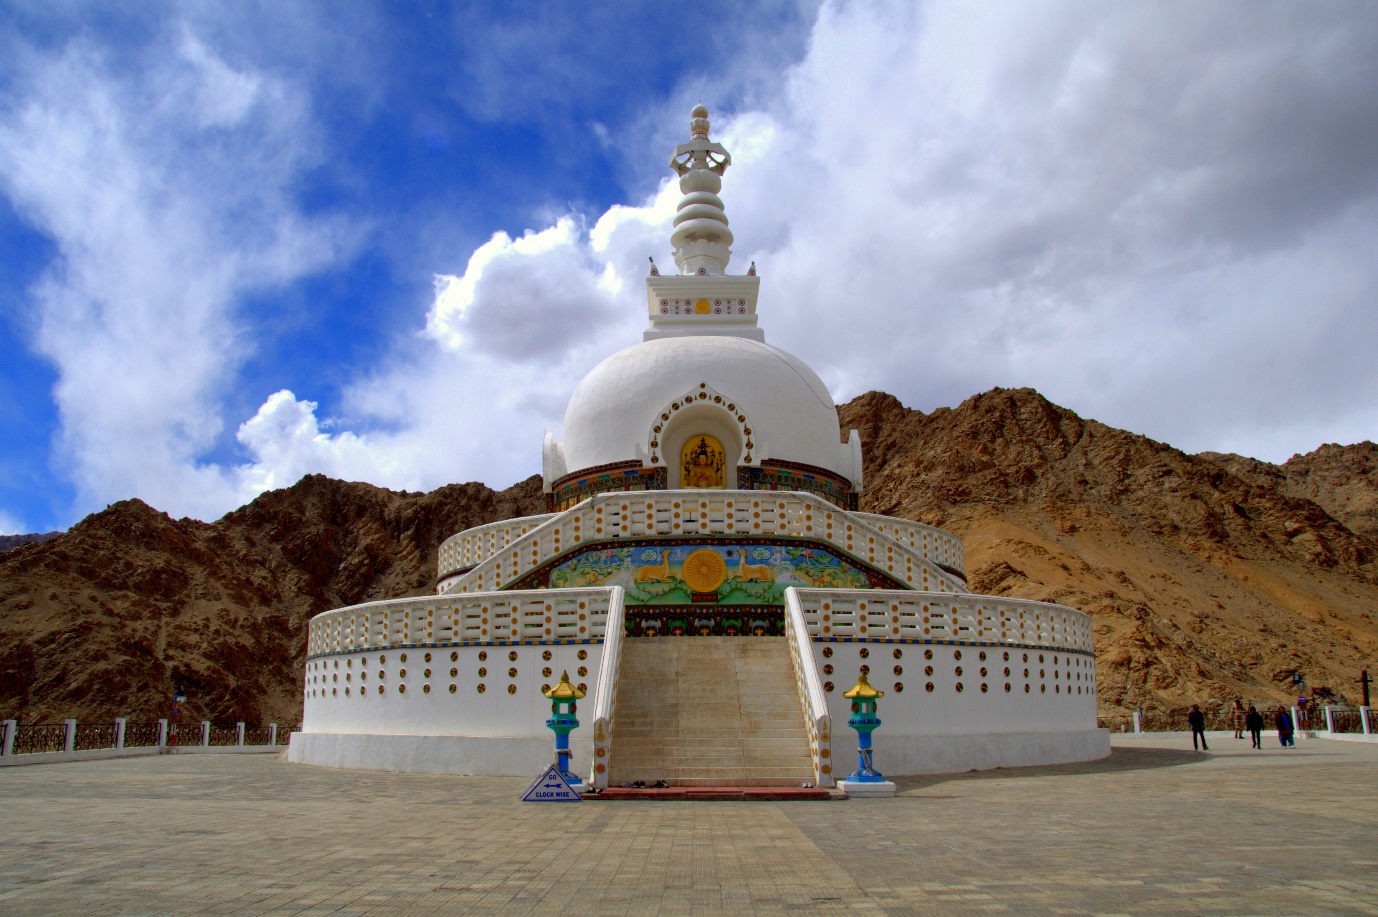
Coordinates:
<point>864,721</point>
<point>562,722</point>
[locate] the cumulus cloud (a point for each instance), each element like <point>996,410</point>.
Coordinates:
<point>1161,216</point>
<point>1156,215</point>
<point>166,192</point>
<point>1109,204</point>
<point>1153,214</point>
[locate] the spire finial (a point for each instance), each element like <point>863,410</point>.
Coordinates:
<point>701,238</point>
<point>698,124</point>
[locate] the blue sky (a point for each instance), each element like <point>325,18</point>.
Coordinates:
<point>383,241</point>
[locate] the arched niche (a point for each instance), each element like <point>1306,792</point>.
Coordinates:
<point>702,418</point>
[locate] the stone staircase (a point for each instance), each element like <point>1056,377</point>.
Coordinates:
<point>708,711</point>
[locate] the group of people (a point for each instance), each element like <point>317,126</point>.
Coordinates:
<point>1250,720</point>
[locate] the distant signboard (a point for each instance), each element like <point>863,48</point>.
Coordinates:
<point>550,786</point>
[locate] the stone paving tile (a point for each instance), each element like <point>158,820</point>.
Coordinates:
<point>1154,829</point>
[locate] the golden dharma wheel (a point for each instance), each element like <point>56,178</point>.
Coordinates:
<point>704,570</point>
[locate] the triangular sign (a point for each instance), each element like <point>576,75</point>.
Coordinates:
<point>550,786</point>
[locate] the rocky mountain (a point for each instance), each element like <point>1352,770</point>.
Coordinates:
<point>1208,576</point>
<point>13,541</point>
<point>106,618</point>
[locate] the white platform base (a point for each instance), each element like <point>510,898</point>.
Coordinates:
<point>866,790</point>
<point>512,756</point>
<point>479,756</point>
<point>955,754</point>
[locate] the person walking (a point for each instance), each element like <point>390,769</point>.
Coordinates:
<point>1197,720</point>
<point>1283,721</point>
<point>1253,721</point>
<point>1237,718</point>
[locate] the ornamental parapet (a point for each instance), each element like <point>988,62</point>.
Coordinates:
<point>691,513</point>
<point>937,617</point>
<point>473,546</point>
<point>516,617</point>
<point>942,547</point>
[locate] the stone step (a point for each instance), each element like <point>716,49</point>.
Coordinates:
<point>726,779</point>
<point>724,739</point>
<point>708,712</point>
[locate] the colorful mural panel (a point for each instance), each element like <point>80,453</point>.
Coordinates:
<point>747,574</point>
<point>618,477</point>
<point>778,475</point>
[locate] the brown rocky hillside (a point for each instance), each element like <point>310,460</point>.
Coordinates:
<point>1209,576</point>
<point>103,620</point>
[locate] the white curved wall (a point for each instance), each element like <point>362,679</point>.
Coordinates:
<point>613,409</point>
<point>343,696</point>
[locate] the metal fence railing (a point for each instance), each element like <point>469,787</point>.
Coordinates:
<point>90,736</point>
<point>49,738</point>
<point>1344,721</point>
<point>1116,723</point>
<point>140,735</point>
<point>1223,720</point>
<point>223,735</point>
<point>34,738</point>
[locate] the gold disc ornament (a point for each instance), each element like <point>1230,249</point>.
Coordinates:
<point>704,570</point>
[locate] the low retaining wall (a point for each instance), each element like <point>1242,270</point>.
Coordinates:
<point>98,754</point>
<point>487,756</point>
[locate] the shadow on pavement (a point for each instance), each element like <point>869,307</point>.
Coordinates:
<point>1121,760</point>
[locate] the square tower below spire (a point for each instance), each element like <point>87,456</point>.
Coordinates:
<point>684,305</point>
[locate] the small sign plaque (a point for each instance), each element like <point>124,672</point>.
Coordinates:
<point>550,786</point>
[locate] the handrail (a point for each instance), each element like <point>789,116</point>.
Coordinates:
<point>605,699</point>
<point>609,517</point>
<point>947,547</point>
<point>812,699</point>
<point>451,554</point>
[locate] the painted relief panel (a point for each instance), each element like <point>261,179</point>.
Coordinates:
<point>703,463</point>
<point>750,574</point>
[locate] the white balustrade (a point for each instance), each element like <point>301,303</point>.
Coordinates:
<point>605,692</point>
<point>609,517</point>
<point>473,546</point>
<point>937,545</point>
<point>813,701</point>
<point>874,614</point>
<point>497,617</point>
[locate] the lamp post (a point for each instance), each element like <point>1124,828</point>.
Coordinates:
<point>562,722</point>
<point>178,697</point>
<point>866,780</point>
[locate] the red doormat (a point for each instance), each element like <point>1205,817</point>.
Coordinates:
<point>712,793</point>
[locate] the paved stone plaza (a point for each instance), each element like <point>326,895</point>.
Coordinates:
<point>1154,829</point>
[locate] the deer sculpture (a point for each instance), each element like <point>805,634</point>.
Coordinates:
<point>655,574</point>
<point>753,573</point>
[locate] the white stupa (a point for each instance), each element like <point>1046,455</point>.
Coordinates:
<point>705,578</point>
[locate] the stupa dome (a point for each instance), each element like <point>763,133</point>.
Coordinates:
<point>758,401</point>
<point>703,403</point>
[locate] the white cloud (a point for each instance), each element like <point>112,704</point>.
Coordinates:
<point>9,525</point>
<point>1160,216</point>
<point>165,191</point>
<point>955,198</point>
